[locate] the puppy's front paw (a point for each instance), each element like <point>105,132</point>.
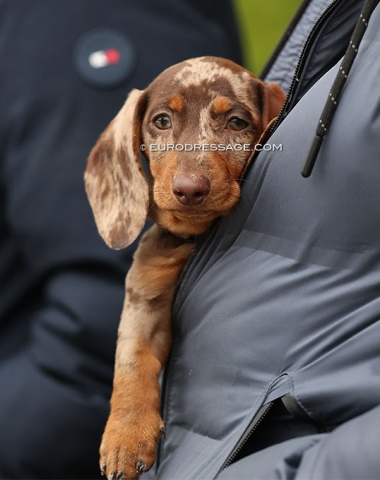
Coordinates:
<point>129,446</point>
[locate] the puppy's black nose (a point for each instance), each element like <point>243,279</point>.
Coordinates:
<point>190,190</point>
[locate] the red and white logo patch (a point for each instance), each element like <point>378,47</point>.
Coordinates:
<point>104,58</point>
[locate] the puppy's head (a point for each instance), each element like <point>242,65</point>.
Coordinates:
<point>197,124</point>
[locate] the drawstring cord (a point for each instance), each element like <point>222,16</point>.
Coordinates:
<point>337,87</point>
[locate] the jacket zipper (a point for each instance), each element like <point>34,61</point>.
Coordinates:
<point>262,413</point>
<point>258,418</point>
<point>300,64</point>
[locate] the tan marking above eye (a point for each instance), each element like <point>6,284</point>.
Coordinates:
<point>175,103</point>
<point>221,105</point>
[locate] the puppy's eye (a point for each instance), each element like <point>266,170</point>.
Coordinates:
<point>236,123</point>
<point>163,122</point>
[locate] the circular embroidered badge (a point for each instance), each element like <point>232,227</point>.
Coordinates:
<point>104,57</point>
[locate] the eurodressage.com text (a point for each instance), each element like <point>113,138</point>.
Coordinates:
<point>210,147</point>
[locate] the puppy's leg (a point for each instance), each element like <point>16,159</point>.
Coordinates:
<point>134,426</point>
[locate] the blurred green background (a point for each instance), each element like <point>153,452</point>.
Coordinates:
<point>262,24</point>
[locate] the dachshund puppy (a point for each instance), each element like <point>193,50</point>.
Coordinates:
<point>198,123</point>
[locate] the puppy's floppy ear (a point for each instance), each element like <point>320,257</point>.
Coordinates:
<point>115,183</point>
<point>273,100</point>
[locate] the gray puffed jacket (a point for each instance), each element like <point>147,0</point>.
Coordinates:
<point>275,367</point>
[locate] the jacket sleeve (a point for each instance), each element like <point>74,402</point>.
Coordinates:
<point>56,386</point>
<point>350,452</point>
<point>63,293</point>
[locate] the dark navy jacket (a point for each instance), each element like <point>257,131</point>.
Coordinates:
<point>61,288</point>
<point>280,307</point>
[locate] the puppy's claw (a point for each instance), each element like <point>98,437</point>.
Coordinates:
<point>162,432</point>
<point>120,476</point>
<point>103,469</point>
<point>140,467</point>
<point>112,476</point>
